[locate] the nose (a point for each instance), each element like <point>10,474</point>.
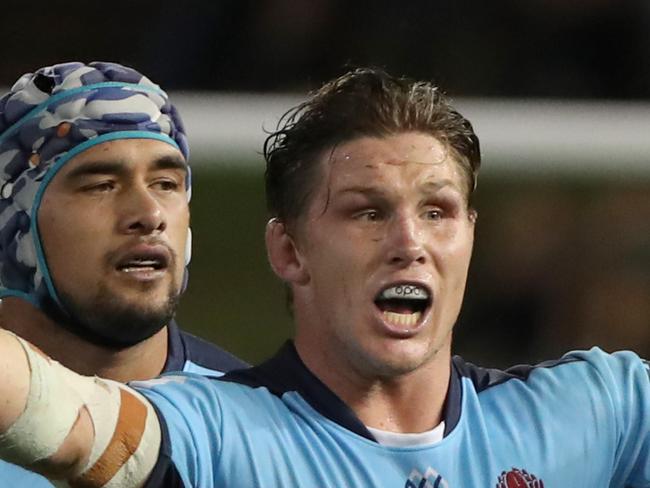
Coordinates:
<point>406,241</point>
<point>141,213</point>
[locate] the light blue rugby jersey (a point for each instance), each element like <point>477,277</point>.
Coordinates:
<point>185,353</point>
<point>582,421</point>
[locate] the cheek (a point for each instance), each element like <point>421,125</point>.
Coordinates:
<point>71,233</point>
<point>330,268</point>
<point>454,258</point>
<point>457,241</point>
<point>339,257</point>
<point>179,235</point>
<point>57,231</point>
<point>459,263</point>
<point>71,252</point>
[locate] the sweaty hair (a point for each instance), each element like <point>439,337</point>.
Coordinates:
<point>365,102</point>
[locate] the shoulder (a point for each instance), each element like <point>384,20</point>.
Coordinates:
<point>619,376</point>
<point>203,355</point>
<point>185,398</point>
<point>484,378</point>
<point>186,352</point>
<point>16,476</point>
<point>187,390</point>
<point>616,363</point>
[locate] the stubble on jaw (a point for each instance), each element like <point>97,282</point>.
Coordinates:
<point>116,322</point>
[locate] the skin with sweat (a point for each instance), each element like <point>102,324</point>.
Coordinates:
<point>387,211</point>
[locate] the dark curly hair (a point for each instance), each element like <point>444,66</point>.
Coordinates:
<point>362,102</point>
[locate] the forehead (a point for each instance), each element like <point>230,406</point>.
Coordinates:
<point>130,153</point>
<point>393,162</point>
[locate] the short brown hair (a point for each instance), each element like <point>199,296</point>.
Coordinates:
<point>362,102</point>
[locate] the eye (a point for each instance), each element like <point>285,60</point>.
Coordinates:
<point>369,215</point>
<point>434,214</point>
<point>167,185</point>
<point>100,187</point>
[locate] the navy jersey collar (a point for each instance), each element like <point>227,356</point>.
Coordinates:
<point>452,410</point>
<point>184,348</point>
<point>176,353</point>
<point>285,372</point>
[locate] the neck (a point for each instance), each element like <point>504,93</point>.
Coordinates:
<point>144,360</point>
<point>406,402</point>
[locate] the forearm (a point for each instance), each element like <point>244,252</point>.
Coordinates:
<point>14,380</point>
<point>42,427</point>
<point>67,426</point>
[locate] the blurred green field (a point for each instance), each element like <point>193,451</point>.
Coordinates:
<point>559,264</point>
<point>233,298</point>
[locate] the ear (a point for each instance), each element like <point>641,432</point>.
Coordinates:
<point>473,215</point>
<point>283,255</point>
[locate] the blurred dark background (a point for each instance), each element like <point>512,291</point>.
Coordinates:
<point>529,48</point>
<point>561,262</point>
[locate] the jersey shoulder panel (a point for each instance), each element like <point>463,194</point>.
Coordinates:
<point>194,411</point>
<point>592,406</point>
<point>164,472</point>
<point>617,378</point>
<point>484,378</point>
<point>203,356</point>
<point>285,373</point>
<point>618,363</point>
<point>12,475</point>
<point>186,352</point>
<point>189,412</point>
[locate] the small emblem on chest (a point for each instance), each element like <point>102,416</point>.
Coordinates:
<point>430,479</point>
<point>518,478</point>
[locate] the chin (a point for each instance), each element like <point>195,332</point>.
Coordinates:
<point>148,297</point>
<point>131,316</point>
<point>412,354</point>
<point>397,361</point>
<point>382,368</point>
<point>148,303</point>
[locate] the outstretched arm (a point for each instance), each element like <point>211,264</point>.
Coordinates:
<point>72,427</point>
<point>14,380</point>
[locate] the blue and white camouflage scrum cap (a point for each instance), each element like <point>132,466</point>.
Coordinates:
<point>46,119</point>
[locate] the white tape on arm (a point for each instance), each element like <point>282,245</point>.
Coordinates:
<point>126,449</point>
<point>126,430</point>
<point>50,412</point>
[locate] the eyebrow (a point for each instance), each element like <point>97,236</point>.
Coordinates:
<point>433,186</point>
<point>120,167</point>
<point>439,185</point>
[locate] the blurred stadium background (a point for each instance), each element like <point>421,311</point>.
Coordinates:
<point>559,93</point>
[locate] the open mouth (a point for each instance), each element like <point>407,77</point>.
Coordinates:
<point>402,305</point>
<point>143,261</point>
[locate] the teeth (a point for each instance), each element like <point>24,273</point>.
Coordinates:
<point>402,319</point>
<point>133,269</point>
<point>405,291</point>
<point>140,264</point>
<point>143,262</point>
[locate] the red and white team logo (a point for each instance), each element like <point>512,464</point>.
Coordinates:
<point>518,478</point>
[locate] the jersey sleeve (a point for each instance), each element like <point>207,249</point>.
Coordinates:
<point>189,413</point>
<point>635,453</point>
<point>627,381</point>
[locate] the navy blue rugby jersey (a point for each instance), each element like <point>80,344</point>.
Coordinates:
<point>186,352</point>
<point>192,354</point>
<point>582,421</point>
